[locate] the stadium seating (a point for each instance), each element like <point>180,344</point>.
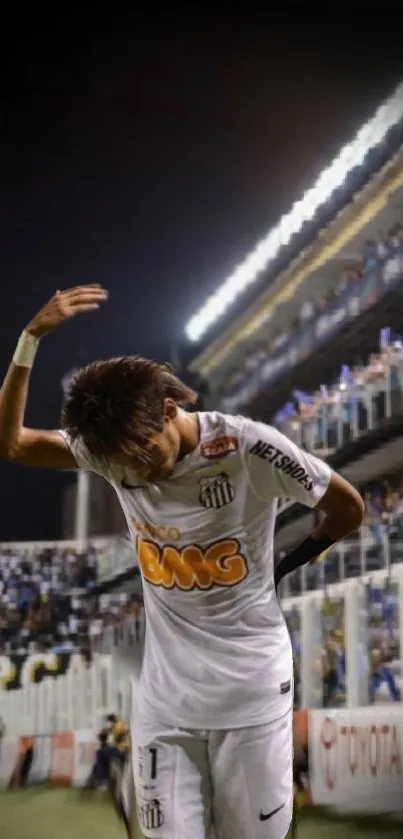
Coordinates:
<point>361,399</point>
<point>48,600</point>
<point>325,422</point>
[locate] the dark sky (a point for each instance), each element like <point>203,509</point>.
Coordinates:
<point>150,155</point>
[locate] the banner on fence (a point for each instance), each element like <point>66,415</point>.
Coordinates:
<point>356,758</point>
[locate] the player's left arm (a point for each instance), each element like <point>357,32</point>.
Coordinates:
<point>343,507</point>
<point>278,468</point>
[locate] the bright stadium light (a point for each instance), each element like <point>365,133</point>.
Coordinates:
<point>352,155</point>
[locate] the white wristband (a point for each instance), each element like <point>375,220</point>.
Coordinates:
<point>25,350</point>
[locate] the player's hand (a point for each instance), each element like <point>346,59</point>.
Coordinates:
<point>65,305</point>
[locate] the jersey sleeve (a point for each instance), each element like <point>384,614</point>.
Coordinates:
<point>278,468</point>
<point>84,459</point>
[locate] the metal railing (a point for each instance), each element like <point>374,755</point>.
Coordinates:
<point>349,411</point>
<point>373,550</point>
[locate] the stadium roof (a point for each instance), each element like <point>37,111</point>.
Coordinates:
<point>266,251</point>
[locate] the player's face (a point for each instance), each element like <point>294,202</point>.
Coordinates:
<point>163,452</point>
<point>163,449</point>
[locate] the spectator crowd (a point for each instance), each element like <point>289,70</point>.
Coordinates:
<point>48,601</point>
<point>361,398</point>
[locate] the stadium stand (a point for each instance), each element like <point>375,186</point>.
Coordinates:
<point>48,601</point>
<point>314,346</point>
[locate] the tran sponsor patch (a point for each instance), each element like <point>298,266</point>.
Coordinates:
<point>220,447</point>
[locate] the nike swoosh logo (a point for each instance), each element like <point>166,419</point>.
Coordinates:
<point>125,485</point>
<point>264,817</point>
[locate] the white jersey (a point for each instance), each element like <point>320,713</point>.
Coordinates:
<point>217,650</point>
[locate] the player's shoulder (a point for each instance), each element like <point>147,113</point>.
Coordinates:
<point>221,434</point>
<point>224,434</point>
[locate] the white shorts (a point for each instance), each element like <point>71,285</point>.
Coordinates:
<point>234,784</point>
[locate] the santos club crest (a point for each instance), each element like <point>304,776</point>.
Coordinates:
<point>216,491</point>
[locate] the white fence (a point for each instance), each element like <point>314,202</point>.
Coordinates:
<point>77,700</point>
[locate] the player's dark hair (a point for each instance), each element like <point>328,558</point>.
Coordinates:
<point>116,406</point>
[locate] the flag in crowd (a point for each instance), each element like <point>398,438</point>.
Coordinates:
<point>388,337</point>
<point>346,377</point>
<point>303,398</point>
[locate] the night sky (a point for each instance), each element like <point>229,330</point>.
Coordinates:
<point>150,155</point>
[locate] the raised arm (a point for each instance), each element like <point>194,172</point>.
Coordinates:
<point>29,446</point>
